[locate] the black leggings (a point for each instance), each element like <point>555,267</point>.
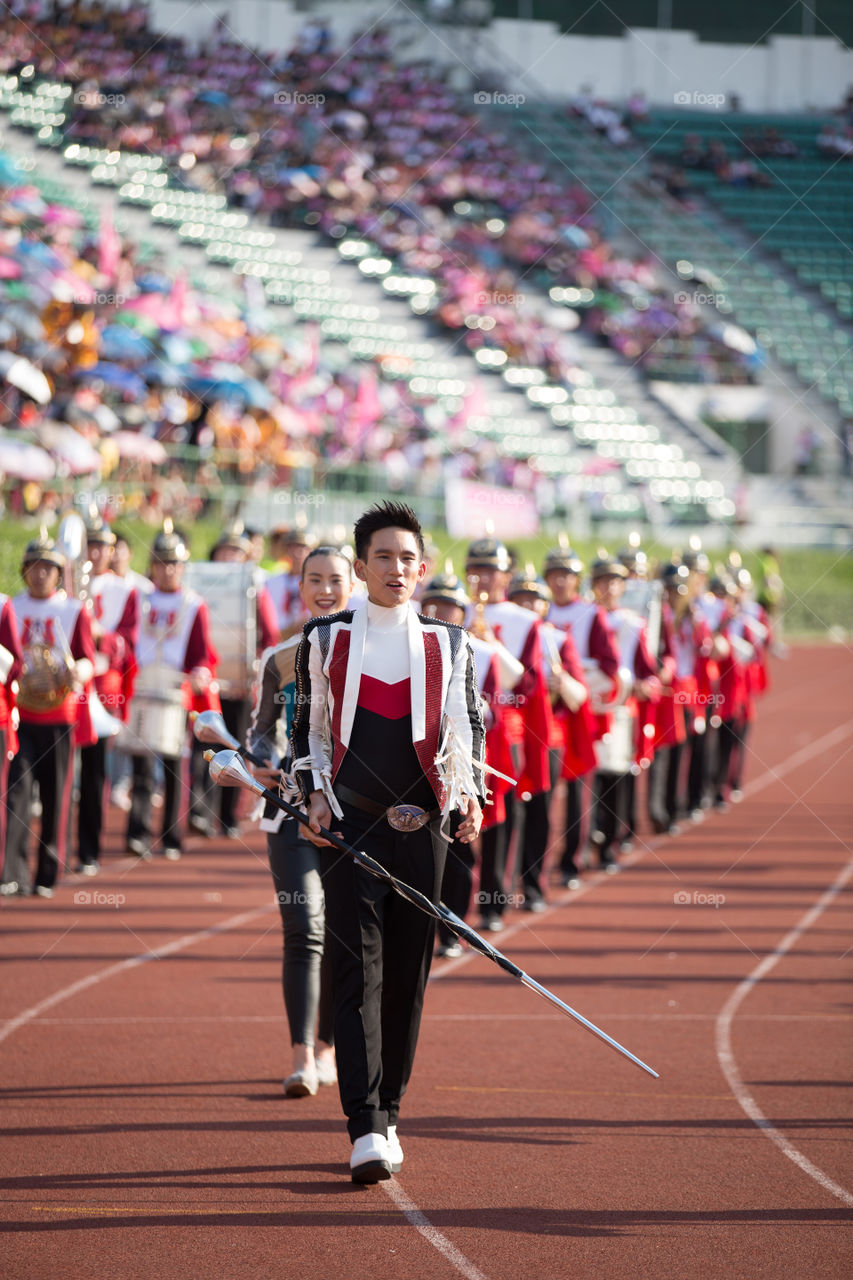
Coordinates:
<point>306,976</point>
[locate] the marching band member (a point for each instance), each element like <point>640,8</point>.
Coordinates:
<point>444,597</point>
<point>57,666</point>
<point>10,670</point>
<point>527,721</point>
<point>734,652</point>
<point>756,619</point>
<point>596,650</point>
<point>294,861</point>
<point>699,716</point>
<point>689,642</point>
<point>232,547</point>
<point>283,587</point>
<point>388,737</point>
<point>174,640</point>
<point>639,672</point>
<point>114,619</point>
<point>572,728</point>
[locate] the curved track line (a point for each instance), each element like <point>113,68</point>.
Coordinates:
<point>726,1057</point>
<point>418,1219</point>
<point>83,984</point>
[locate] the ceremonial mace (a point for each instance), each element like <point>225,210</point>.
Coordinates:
<point>228,770</point>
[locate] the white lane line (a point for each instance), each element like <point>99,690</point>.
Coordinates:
<point>726,1057</point>
<point>94,979</point>
<point>418,1219</point>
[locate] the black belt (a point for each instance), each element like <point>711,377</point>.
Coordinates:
<point>402,817</point>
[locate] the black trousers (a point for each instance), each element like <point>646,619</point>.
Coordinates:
<point>90,808</point>
<point>729,751</point>
<point>608,813</point>
<point>663,785</point>
<point>696,747</point>
<point>139,824</point>
<point>306,974</point>
<point>381,949</point>
<point>456,885</point>
<point>44,756</point>
<point>572,834</point>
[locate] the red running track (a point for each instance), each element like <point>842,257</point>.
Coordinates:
<point>144,1044</point>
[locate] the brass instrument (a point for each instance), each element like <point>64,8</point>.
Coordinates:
<point>46,678</point>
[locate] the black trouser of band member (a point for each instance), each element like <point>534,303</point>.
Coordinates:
<point>729,737</point>
<point>306,975</point>
<point>609,794</point>
<point>574,823</point>
<point>457,882</point>
<point>44,756</point>
<point>696,770</point>
<point>663,785</point>
<point>381,949</point>
<point>139,820</point>
<point>90,809</point>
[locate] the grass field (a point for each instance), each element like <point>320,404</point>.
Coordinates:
<point>818,583</point>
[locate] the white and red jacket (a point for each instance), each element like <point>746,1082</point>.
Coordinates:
<point>10,654</point>
<point>528,717</point>
<point>574,731</point>
<point>428,676</point>
<point>629,632</point>
<point>62,624</point>
<point>498,753</point>
<point>174,632</point>
<point>115,608</point>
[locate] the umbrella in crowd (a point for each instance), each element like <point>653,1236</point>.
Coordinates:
<point>77,455</point>
<point>25,461</point>
<point>132,444</point>
<point>22,374</point>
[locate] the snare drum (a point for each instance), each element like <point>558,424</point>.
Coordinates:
<point>157,720</point>
<point>614,753</point>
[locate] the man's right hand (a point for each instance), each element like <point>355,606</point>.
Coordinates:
<point>319,815</point>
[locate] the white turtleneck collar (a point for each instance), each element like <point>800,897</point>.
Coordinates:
<point>386,646</point>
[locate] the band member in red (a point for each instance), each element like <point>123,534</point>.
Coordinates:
<point>617,749</point>
<point>113,605</point>
<point>174,641</point>
<point>10,670</point>
<point>527,722</point>
<point>444,597</point>
<point>387,737</point>
<point>57,666</point>
<point>586,621</point>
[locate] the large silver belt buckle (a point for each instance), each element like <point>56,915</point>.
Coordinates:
<point>406,817</point>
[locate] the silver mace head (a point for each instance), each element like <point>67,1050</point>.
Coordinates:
<point>208,726</point>
<point>228,770</point>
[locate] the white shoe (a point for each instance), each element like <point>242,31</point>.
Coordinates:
<point>395,1151</point>
<point>327,1072</point>
<point>369,1161</point>
<point>302,1084</point>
